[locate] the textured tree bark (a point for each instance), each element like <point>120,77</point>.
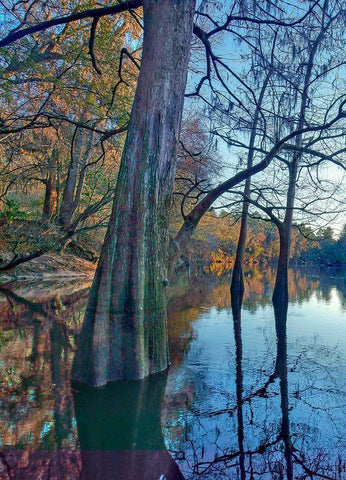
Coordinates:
<point>124,335</point>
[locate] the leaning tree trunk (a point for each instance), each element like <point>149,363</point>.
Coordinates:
<point>124,335</point>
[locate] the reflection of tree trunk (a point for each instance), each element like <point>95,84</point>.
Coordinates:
<point>58,344</point>
<point>236,310</point>
<point>280,310</point>
<point>56,348</point>
<point>124,334</point>
<point>35,341</point>
<point>37,358</point>
<point>120,432</point>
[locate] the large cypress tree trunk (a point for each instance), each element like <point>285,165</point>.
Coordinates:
<point>124,335</point>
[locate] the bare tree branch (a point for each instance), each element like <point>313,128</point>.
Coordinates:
<point>95,13</point>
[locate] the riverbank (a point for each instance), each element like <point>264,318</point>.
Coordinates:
<point>22,240</point>
<point>49,266</point>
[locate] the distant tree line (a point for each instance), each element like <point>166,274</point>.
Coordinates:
<point>215,242</point>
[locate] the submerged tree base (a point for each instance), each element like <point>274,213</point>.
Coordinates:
<point>119,430</point>
<point>121,352</point>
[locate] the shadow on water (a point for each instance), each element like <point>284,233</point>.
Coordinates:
<point>120,432</point>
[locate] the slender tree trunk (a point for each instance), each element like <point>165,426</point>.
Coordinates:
<point>50,198</point>
<point>237,283</point>
<point>280,293</point>
<point>75,177</point>
<point>124,334</point>
<point>82,172</point>
<point>285,231</point>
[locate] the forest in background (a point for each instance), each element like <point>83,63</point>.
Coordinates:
<point>213,244</point>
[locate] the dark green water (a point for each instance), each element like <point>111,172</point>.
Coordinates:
<point>261,397</point>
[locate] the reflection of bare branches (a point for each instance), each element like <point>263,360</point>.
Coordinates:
<point>309,470</point>
<point>260,392</point>
<point>275,447</point>
<point>232,456</point>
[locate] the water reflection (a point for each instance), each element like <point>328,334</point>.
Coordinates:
<point>280,311</point>
<point>255,463</point>
<point>287,412</point>
<point>256,395</point>
<point>120,432</point>
<point>236,311</point>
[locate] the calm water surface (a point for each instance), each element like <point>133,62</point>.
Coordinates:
<point>245,398</point>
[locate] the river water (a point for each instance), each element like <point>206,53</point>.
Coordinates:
<point>250,398</point>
